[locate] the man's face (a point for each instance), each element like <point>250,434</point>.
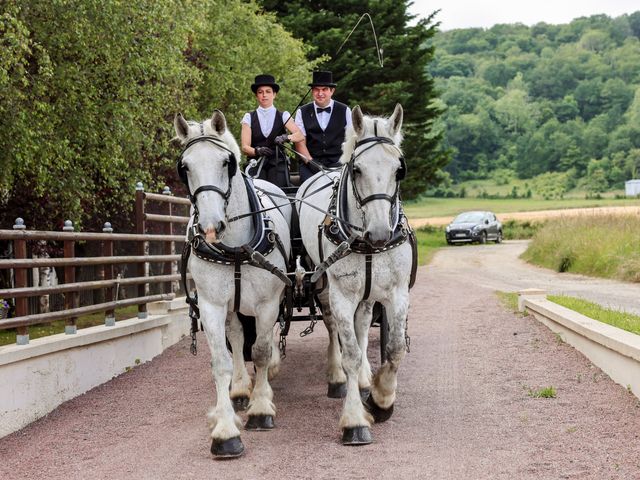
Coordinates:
<point>322,95</point>
<point>265,96</point>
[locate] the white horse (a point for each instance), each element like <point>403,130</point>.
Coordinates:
<point>368,207</point>
<point>218,234</point>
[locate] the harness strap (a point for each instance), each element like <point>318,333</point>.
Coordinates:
<point>237,276</point>
<point>414,257</point>
<point>320,248</point>
<point>367,276</point>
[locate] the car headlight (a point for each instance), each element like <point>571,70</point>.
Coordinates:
<point>476,228</point>
<point>447,228</point>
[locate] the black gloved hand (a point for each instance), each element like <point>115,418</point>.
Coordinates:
<point>281,139</point>
<point>263,152</point>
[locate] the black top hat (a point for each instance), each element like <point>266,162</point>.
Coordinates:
<point>322,79</point>
<point>265,80</point>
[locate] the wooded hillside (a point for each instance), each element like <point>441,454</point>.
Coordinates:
<point>524,101</point>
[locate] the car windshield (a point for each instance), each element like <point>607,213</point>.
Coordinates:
<point>469,217</point>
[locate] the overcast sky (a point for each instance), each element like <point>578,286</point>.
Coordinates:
<point>486,13</point>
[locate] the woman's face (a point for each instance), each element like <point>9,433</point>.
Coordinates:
<point>265,96</point>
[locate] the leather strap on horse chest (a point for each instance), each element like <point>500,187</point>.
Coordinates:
<point>237,280</point>
<point>367,276</point>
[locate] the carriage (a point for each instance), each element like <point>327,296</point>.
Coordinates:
<point>350,220</point>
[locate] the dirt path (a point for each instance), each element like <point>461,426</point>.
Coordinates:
<point>535,215</point>
<point>464,409</point>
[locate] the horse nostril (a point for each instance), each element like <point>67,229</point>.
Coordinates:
<point>222,226</point>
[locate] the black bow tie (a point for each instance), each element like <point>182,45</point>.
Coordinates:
<point>326,109</point>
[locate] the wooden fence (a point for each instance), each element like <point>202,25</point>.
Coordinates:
<point>155,265</point>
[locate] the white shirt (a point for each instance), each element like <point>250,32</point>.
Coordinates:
<point>323,117</point>
<point>266,117</point>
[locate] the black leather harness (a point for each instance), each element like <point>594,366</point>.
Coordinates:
<point>341,234</point>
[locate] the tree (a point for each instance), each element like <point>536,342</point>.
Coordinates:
<point>407,50</point>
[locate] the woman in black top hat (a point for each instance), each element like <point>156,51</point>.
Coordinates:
<point>263,133</point>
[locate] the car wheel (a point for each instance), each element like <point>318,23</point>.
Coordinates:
<point>499,237</point>
<point>483,237</point>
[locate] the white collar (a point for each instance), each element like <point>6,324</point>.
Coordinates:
<point>265,110</point>
<point>316,106</point>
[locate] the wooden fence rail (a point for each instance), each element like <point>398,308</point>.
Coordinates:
<point>106,282</point>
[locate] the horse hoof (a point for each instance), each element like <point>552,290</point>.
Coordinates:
<point>229,448</point>
<point>379,414</point>
<point>259,422</point>
<point>241,403</point>
<point>337,390</point>
<point>356,436</point>
<point>364,393</point>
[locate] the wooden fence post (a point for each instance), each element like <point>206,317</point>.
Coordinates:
<point>140,247</point>
<point>109,292</point>
<point>71,299</point>
<point>168,247</point>
<point>22,306</point>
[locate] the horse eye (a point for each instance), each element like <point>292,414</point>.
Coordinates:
<point>356,170</point>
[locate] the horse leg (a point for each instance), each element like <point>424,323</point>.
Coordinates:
<point>336,378</point>
<point>355,420</point>
<point>383,391</point>
<point>274,363</point>
<point>362,324</point>
<point>241,383</point>
<point>261,408</point>
<point>223,421</point>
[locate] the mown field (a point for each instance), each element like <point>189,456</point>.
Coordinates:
<point>441,207</point>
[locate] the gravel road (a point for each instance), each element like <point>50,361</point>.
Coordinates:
<point>465,408</point>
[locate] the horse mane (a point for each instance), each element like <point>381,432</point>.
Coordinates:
<point>351,137</point>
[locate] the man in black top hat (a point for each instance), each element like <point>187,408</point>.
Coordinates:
<point>263,133</point>
<point>323,123</point>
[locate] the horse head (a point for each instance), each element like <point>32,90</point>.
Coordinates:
<point>375,166</point>
<point>208,166</point>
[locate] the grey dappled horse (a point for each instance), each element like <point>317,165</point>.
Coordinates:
<point>365,198</point>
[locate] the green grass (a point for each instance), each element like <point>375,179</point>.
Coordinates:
<point>617,318</point>
<point>599,246</point>
<point>509,300</point>
<point>545,392</point>
<point>430,239</point>
<point>8,337</point>
<point>444,207</point>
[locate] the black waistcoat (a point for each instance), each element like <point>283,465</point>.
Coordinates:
<point>325,145</point>
<point>258,139</point>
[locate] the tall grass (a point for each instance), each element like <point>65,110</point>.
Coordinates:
<point>600,246</point>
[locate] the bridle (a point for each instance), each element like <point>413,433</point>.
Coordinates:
<point>371,142</point>
<point>232,167</point>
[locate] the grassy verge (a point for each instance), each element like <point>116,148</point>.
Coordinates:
<point>430,239</point>
<point>617,318</point>
<point>600,246</point>
<point>442,207</point>
<point>8,337</point>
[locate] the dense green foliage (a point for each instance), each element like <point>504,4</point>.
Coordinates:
<point>555,100</point>
<point>600,246</point>
<point>325,26</point>
<point>89,88</point>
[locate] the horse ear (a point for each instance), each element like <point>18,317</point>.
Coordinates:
<point>181,126</point>
<point>218,122</point>
<point>357,119</point>
<point>395,120</point>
